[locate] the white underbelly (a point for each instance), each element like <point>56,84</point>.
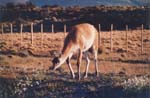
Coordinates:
<point>88,44</point>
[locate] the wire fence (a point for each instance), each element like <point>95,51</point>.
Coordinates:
<point>111,35</point>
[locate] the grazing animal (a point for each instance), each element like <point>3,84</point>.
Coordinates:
<point>81,38</point>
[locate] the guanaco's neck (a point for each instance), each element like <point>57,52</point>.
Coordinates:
<point>67,49</point>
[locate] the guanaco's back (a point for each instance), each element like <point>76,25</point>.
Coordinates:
<point>84,35</point>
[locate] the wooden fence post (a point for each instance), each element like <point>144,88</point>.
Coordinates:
<point>21,28</point>
<point>41,28</point>
<point>142,38</point>
<point>111,39</point>
<point>52,28</point>
<point>2,29</point>
<point>32,33</point>
<point>64,30</point>
<point>11,28</point>
<point>127,38</point>
<point>11,32</point>
<point>99,35</point>
<point>42,35</point>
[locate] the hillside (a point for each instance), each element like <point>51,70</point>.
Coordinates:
<point>57,15</point>
<point>91,2</point>
<point>82,2</point>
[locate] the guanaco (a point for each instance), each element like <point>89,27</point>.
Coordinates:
<point>81,38</point>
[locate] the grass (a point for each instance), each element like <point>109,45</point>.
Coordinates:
<point>53,85</point>
<point>3,61</point>
<point>2,44</point>
<point>118,71</point>
<point>137,85</point>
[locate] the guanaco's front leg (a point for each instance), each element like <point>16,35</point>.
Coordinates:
<point>70,68</point>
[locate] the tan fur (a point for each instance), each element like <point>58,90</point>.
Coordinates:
<point>81,38</point>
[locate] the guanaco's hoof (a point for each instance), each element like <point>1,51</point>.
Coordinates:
<point>85,76</point>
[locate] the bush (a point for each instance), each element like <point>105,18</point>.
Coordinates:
<point>137,86</point>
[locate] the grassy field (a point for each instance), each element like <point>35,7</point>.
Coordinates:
<point>24,68</point>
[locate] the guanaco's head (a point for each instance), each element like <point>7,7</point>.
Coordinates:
<point>55,62</point>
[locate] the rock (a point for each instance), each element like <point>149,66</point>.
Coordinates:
<point>123,55</point>
<point>122,73</point>
<point>23,53</point>
<point>120,50</point>
<point>10,56</point>
<point>92,88</point>
<point>54,19</point>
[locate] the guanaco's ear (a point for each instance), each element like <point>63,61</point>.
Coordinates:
<point>55,53</point>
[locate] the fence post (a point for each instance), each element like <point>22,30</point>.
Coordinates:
<point>127,38</point>
<point>41,34</point>
<point>142,38</point>
<point>99,35</point>
<point>52,28</point>
<point>111,39</point>
<point>2,29</point>
<point>11,32</point>
<point>32,33</point>
<point>21,28</point>
<point>11,28</point>
<point>41,28</point>
<point>64,30</point>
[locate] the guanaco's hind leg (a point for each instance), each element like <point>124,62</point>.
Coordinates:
<point>87,64</point>
<point>70,68</point>
<point>95,51</point>
<point>96,63</point>
<point>79,63</point>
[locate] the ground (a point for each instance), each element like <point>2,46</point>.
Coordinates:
<point>29,62</point>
